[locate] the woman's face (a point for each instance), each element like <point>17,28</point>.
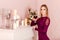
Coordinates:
<point>43,10</point>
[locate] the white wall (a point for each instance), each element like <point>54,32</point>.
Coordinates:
<point>54,14</point>
<point>20,5</point>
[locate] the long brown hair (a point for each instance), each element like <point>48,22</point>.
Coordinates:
<point>44,5</point>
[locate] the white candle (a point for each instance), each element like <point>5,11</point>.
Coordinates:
<point>22,22</point>
<point>15,14</point>
<point>16,20</point>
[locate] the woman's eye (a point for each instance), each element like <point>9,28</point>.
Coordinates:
<point>41,9</point>
<point>44,9</point>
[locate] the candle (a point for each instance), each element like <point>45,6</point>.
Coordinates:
<point>15,14</point>
<point>25,21</point>
<point>16,20</point>
<point>22,22</point>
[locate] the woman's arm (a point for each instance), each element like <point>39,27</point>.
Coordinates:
<point>36,27</point>
<point>33,23</point>
<point>46,24</point>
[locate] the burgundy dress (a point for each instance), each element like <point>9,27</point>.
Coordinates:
<point>42,24</point>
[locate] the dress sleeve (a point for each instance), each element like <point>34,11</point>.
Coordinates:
<point>46,24</point>
<point>33,23</point>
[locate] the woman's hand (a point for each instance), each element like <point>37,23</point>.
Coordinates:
<point>35,27</point>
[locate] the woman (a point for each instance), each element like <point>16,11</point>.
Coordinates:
<point>42,23</point>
